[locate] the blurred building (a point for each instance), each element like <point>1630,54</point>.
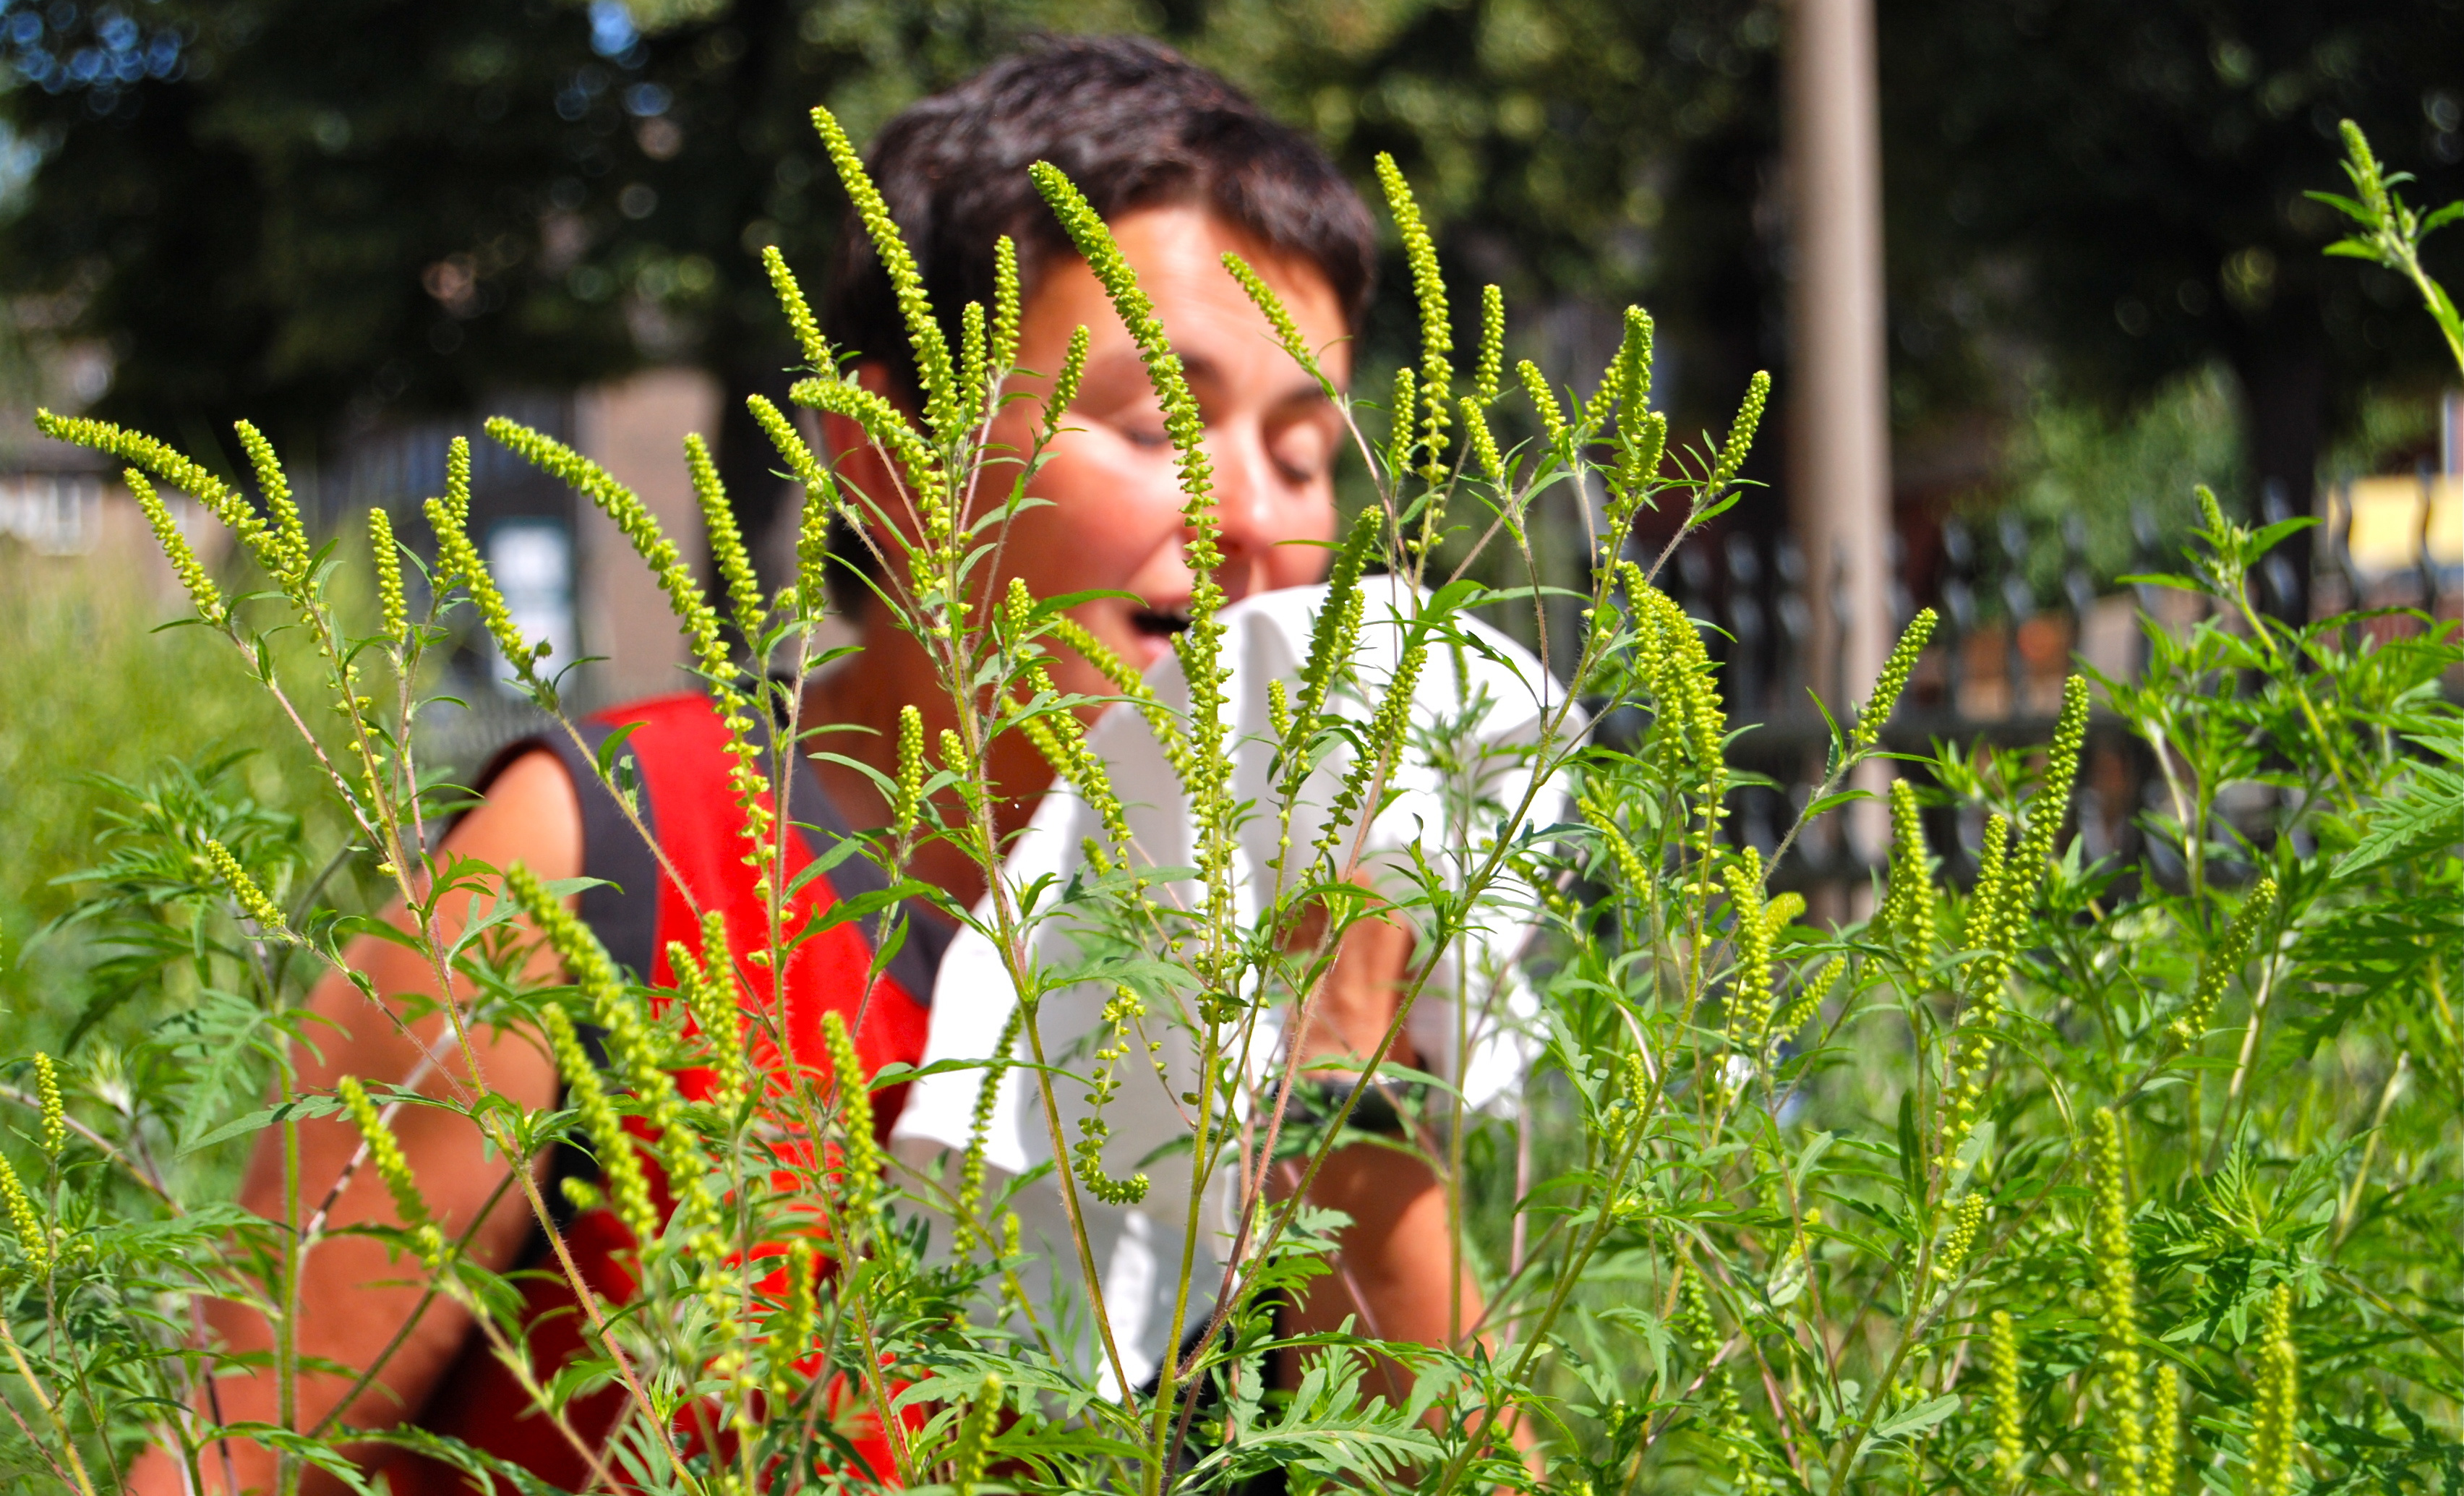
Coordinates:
<point>568,575</point>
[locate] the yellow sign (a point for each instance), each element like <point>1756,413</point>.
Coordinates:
<point>2393,516</point>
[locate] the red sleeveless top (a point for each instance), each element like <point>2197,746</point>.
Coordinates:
<point>678,748</point>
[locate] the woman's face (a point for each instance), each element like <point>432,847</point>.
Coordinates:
<point>1111,514</point>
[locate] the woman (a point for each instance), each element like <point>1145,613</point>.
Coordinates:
<point>1184,168</point>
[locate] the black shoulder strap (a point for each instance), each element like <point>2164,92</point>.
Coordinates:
<point>817,820</point>
<point>622,910</point>
<point>623,907</point>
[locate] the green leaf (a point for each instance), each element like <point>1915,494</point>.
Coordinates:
<point>298,1109</point>
<point>1917,1417</point>
<point>2342,204</point>
<point>2430,816</point>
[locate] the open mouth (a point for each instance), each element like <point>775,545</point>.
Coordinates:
<point>1158,623</point>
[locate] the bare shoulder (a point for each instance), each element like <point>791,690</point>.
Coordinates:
<point>531,814</point>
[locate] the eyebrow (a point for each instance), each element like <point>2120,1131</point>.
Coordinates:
<point>1303,390</point>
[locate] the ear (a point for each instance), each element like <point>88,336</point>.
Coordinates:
<point>876,483</point>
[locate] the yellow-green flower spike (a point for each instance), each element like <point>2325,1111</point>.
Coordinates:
<point>1993,867</point>
<point>1634,367</point>
<point>1544,400</point>
<point>1336,629</point>
<point>1381,744</point>
<point>1963,1227</point>
<point>2117,1289</point>
<point>2164,1431</point>
<point>1741,436</point>
<point>973,358</point>
<point>2051,803</point>
<point>1750,999</point>
<point>1200,646</point>
<point>1492,346</point>
<point>53,1131</point>
<point>1120,1017</point>
<point>859,1157</point>
<point>31,1239</point>
<point>1630,865</point>
<point>941,400</point>
<point>1803,1008</point>
<point>707,983</point>
<point>393,608</point>
<point>970,1450</point>
<point>290,535</point>
<point>459,557</point>
<point>2275,1411</point>
<point>904,815</point>
<point>790,1334</point>
<point>1640,447</point>
<point>1907,911</point>
<point>1103,255</point>
<point>809,341</point>
<point>244,891</point>
<point>2222,965</point>
<point>966,1233</point>
<point>1261,295</point>
<point>184,566</point>
<point>1007,309</point>
<point>1065,385</point>
<point>585,960</point>
<point>384,1152</point>
<point>698,620</point>
<point>1894,679</point>
<point>457,479</point>
<point>2210,511</point>
<point>172,467</point>
<point>1160,720</point>
<point>889,428</point>
<point>2010,1418</point>
<point>628,1188</point>
<point>822,500</point>
<point>1403,436</point>
<point>1436,327</point>
<point>1603,400</point>
<point>1483,445</point>
<point>726,540</point>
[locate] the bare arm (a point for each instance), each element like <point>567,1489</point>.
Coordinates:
<point>352,1298</point>
<point>1395,1268</point>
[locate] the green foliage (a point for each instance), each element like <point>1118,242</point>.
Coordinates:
<point>2091,1173</point>
<point>76,745</point>
<point>2072,462</point>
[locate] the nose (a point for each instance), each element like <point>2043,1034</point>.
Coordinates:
<point>1247,507</point>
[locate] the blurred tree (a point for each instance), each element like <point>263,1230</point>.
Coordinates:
<point>316,214</point>
<point>322,212</point>
<point>1580,153</point>
<point>299,211</point>
<point>2119,186</point>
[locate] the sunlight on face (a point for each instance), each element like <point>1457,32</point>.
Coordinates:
<point>1112,516</point>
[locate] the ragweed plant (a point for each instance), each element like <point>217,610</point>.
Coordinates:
<point>2082,1172</point>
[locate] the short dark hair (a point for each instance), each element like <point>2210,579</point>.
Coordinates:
<point>1135,125</point>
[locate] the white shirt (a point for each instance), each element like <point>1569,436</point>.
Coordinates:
<point>1497,703</point>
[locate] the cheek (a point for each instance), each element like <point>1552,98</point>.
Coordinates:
<point>1306,518</point>
<point>1109,508</point>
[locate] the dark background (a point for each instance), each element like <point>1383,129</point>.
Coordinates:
<point>336,216</point>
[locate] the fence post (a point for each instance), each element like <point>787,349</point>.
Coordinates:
<point>1838,444</point>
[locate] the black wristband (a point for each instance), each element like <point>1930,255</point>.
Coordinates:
<point>1318,1099</point>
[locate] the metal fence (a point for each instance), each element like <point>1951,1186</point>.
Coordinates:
<point>2011,629</point>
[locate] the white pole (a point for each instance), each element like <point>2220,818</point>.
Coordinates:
<point>1840,454</point>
